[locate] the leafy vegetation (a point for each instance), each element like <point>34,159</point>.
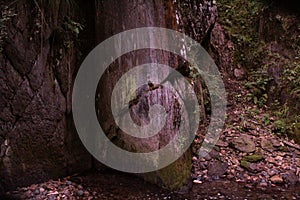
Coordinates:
<point>241,20</point>
<point>285,124</point>
<point>65,35</point>
<point>292,78</point>
<point>72,26</point>
<point>259,48</point>
<point>258,90</point>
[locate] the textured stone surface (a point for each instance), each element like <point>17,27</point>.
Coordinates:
<point>221,49</point>
<point>36,138</point>
<point>253,158</point>
<point>216,169</point>
<point>276,179</point>
<point>244,143</point>
<point>195,20</point>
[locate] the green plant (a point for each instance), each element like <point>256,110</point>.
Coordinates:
<point>279,127</point>
<point>266,119</point>
<point>252,112</point>
<point>258,90</point>
<point>67,34</point>
<point>285,123</point>
<point>237,97</point>
<point>241,20</point>
<point>72,26</point>
<point>292,79</point>
<point>282,113</point>
<point>249,25</point>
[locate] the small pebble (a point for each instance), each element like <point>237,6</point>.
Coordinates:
<point>80,193</point>
<point>197,181</point>
<point>42,190</point>
<point>68,182</point>
<point>263,184</point>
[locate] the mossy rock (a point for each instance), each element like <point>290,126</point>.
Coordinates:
<point>244,143</point>
<point>174,176</point>
<point>252,158</point>
<point>252,167</point>
<point>283,148</point>
<point>266,144</point>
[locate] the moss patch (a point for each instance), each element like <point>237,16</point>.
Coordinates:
<point>252,158</point>
<point>244,163</point>
<point>173,176</point>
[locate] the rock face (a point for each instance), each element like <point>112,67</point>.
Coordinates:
<point>123,16</point>
<point>222,51</point>
<point>244,143</point>
<point>37,138</point>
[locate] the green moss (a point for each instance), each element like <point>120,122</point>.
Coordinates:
<point>244,163</point>
<point>252,158</point>
<point>173,176</point>
<point>283,148</point>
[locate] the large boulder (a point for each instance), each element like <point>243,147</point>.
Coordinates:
<point>196,20</point>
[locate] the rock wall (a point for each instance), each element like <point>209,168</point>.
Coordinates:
<point>38,63</point>
<point>37,137</point>
<point>196,19</point>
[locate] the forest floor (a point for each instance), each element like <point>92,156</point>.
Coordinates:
<point>248,162</point>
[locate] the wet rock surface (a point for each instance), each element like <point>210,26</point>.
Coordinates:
<point>37,140</point>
